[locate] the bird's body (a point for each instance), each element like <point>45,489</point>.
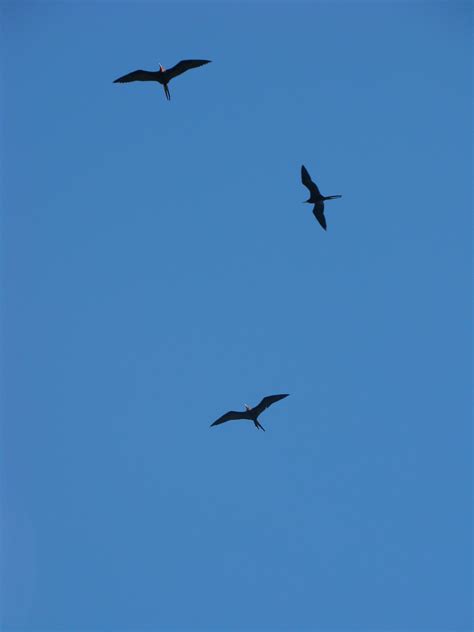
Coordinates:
<point>250,413</point>
<point>315,197</point>
<point>162,76</point>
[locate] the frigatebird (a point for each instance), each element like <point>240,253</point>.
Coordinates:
<point>250,413</point>
<point>162,75</point>
<point>315,197</point>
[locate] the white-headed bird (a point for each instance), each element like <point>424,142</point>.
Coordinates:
<point>162,75</point>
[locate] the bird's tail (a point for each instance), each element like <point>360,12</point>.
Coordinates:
<point>259,425</point>
<point>167,92</point>
<point>332,197</point>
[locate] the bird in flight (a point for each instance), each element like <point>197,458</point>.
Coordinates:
<point>162,75</point>
<point>315,197</point>
<point>250,413</point>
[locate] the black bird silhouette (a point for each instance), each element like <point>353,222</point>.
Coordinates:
<point>315,197</point>
<point>250,413</point>
<point>162,75</point>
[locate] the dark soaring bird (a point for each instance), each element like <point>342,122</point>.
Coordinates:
<point>250,413</point>
<point>163,76</point>
<point>315,197</point>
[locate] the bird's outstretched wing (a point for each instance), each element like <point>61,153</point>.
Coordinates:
<point>306,180</point>
<point>266,402</point>
<point>185,64</point>
<point>230,416</point>
<point>136,75</point>
<point>318,212</point>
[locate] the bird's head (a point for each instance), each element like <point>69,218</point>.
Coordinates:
<point>161,68</point>
<point>247,407</point>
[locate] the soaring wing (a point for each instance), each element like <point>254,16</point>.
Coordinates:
<point>137,75</point>
<point>306,180</point>
<point>318,212</point>
<point>266,402</point>
<point>230,416</point>
<point>185,64</point>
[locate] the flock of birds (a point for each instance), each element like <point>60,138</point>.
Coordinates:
<point>163,77</point>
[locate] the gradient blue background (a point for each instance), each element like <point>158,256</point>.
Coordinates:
<point>159,268</point>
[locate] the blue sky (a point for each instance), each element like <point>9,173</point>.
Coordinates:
<point>159,268</point>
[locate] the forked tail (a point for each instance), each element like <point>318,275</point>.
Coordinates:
<point>167,92</point>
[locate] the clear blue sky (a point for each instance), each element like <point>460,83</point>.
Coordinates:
<point>159,268</point>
